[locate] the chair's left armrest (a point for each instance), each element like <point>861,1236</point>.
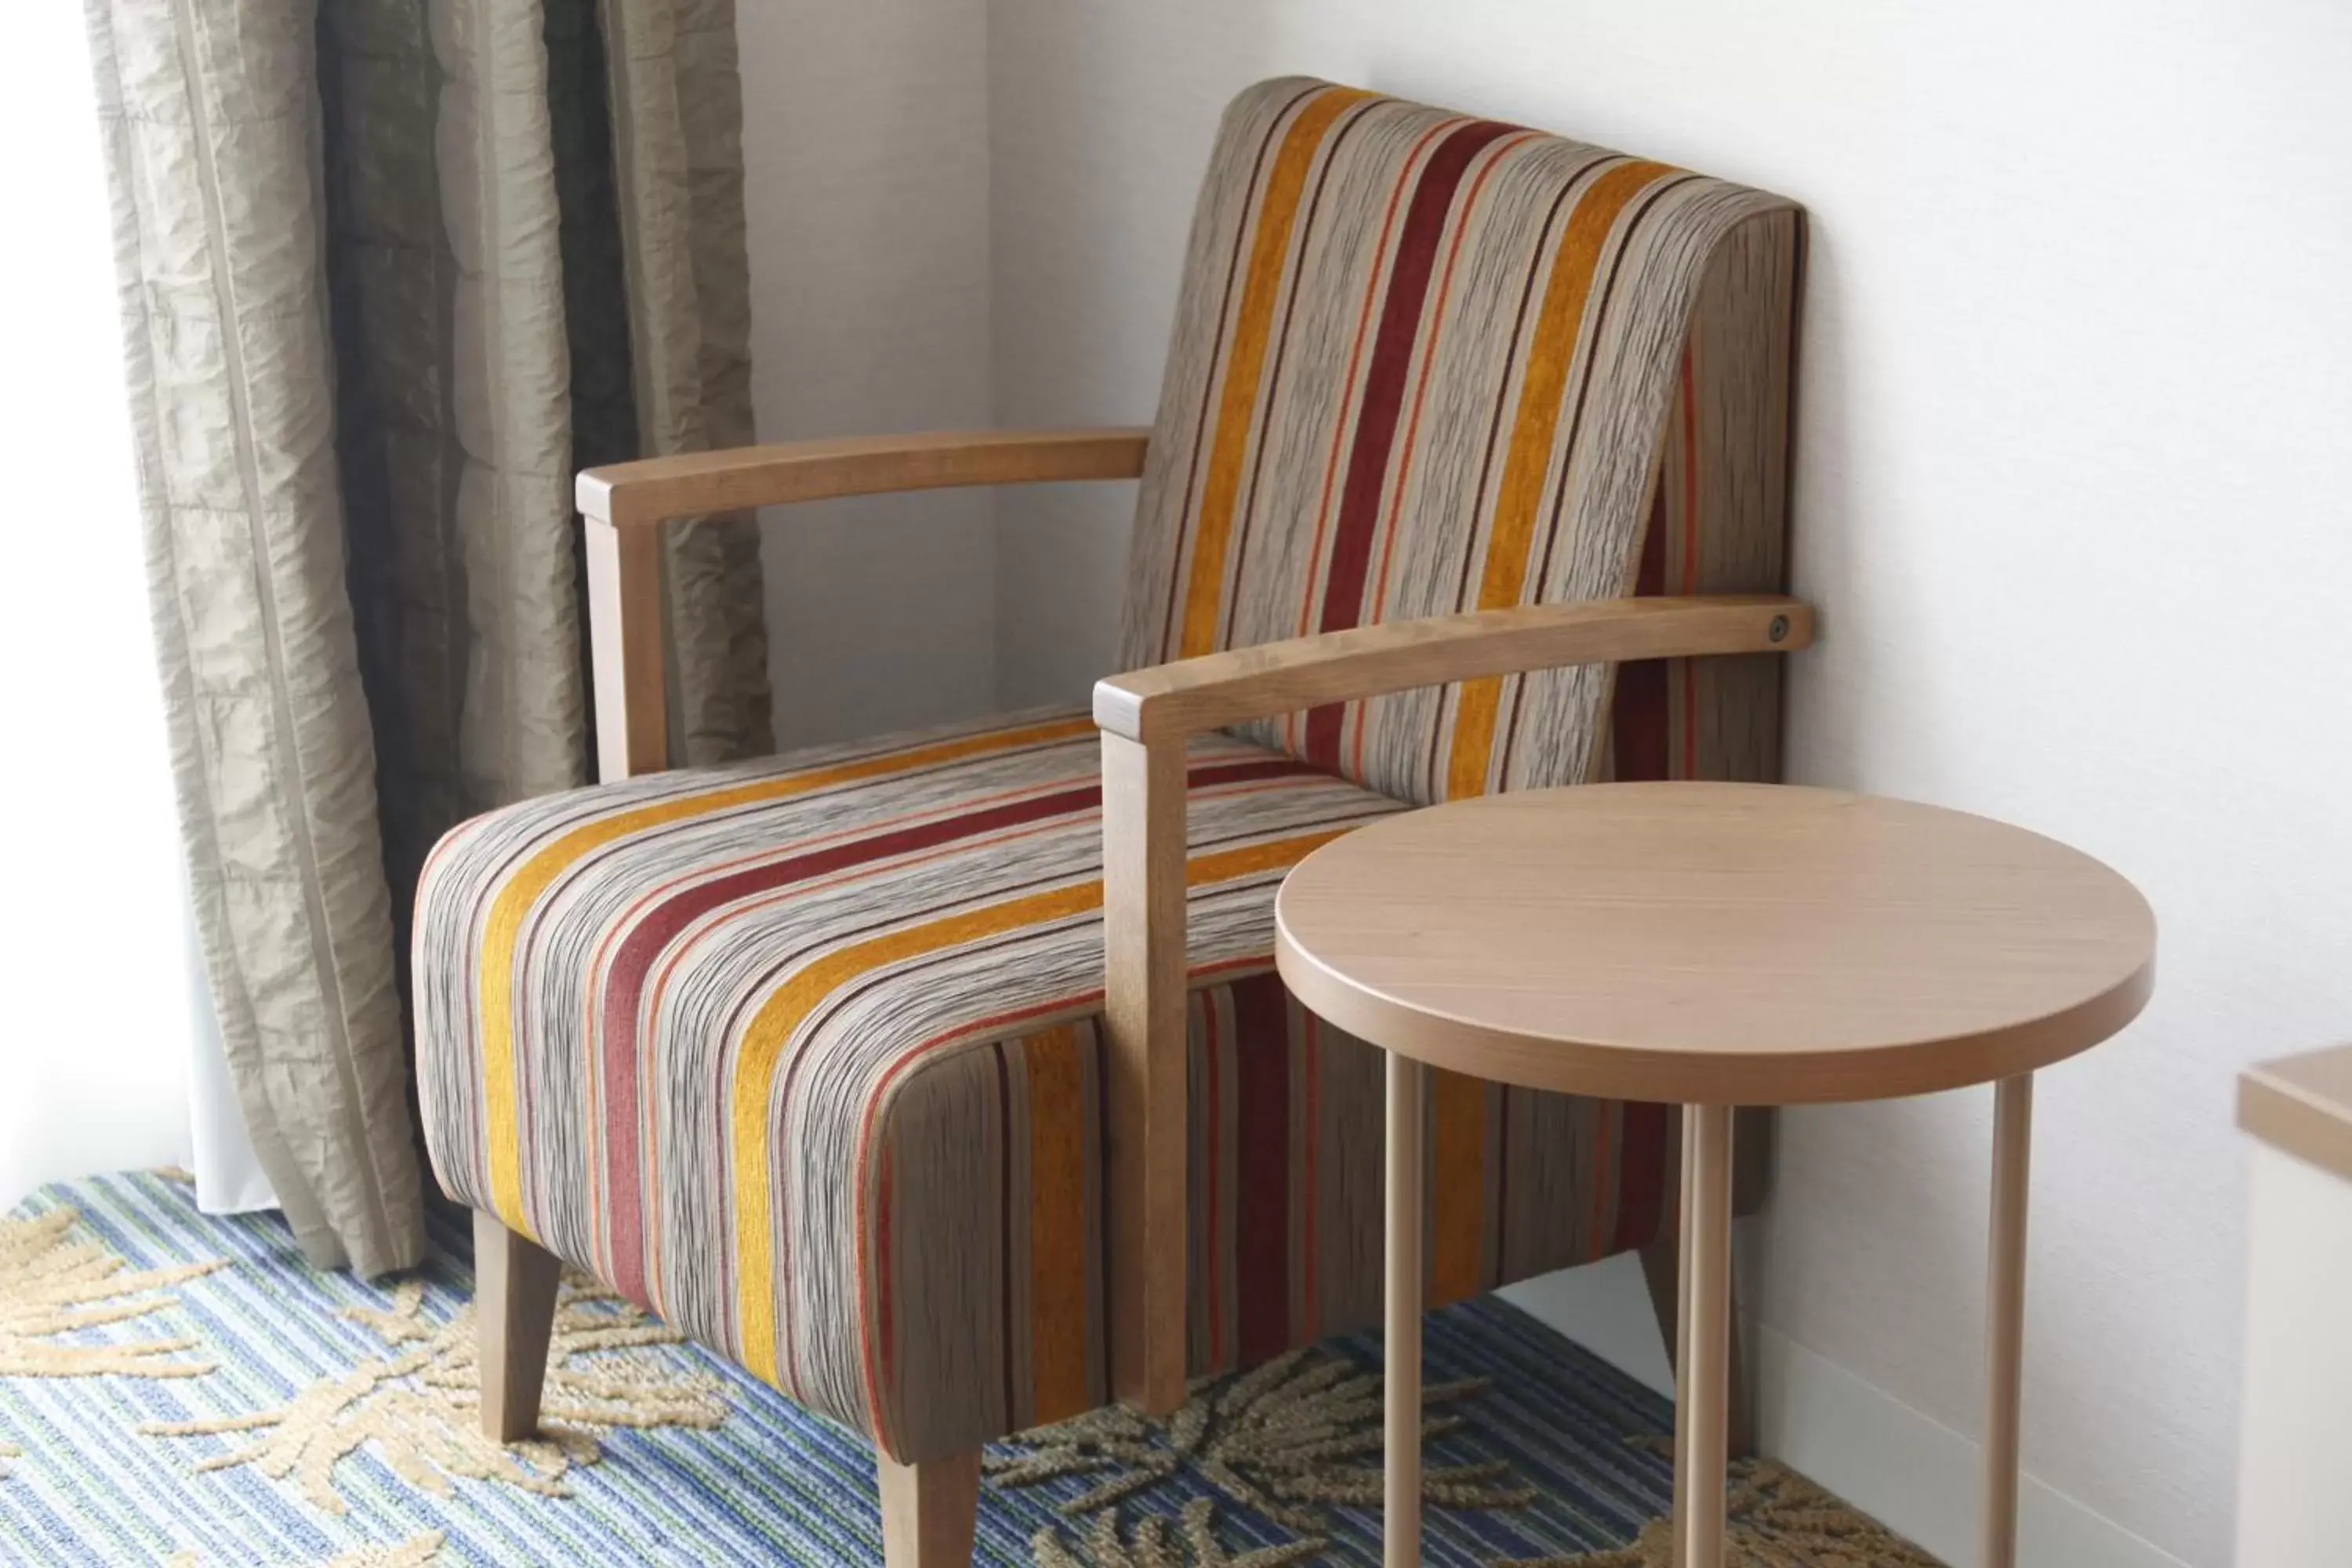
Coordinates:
<point>653,491</point>
<point>624,506</point>
<point>1146,716</point>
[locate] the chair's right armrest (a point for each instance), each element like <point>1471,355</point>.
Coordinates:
<point>1169,702</point>
<point>1145,716</point>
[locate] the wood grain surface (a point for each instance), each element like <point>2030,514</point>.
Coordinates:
<point>1715,943</point>
<point>653,490</point>
<point>2303,1105</point>
<point>1188,695</point>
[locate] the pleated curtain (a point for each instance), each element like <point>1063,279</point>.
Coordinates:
<point>391,271</point>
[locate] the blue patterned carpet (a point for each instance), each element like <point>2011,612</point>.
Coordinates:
<point>336,1428</point>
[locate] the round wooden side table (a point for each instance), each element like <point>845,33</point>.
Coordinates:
<point>1712,945</point>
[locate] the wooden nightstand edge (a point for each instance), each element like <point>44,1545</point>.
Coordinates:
<point>2303,1105</point>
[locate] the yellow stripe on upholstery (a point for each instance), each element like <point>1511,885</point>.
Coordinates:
<point>787,1007</point>
<point>1245,363</point>
<point>1526,468</point>
<point>515,899</point>
<point>1457,1187</point>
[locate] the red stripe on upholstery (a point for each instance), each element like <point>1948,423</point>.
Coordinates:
<point>1262,1203</point>
<point>1641,1174</point>
<point>625,979</point>
<point>1402,321</point>
<point>1211,1168</point>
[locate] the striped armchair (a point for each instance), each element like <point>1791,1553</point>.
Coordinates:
<point>942,1079</point>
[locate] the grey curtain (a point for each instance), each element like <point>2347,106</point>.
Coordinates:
<point>391,270</point>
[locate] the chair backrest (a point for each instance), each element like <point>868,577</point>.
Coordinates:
<point>1425,363</point>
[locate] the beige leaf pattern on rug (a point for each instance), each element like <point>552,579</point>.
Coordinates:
<point>1778,1519</point>
<point>53,1284</point>
<point>1189,1541</point>
<point>1288,1440</point>
<point>417,1405</point>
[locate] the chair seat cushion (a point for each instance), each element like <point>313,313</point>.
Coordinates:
<point>805,1056</point>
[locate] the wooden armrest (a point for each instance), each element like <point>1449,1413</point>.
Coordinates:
<point>655,490</point>
<point>626,503</point>
<point>1145,716</point>
<point>1169,702</point>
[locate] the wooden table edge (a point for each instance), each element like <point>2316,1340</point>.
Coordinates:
<point>1693,1077</point>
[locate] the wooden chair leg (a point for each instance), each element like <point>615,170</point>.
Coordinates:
<point>514,1316</point>
<point>1662,1270</point>
<point>931,1510</point>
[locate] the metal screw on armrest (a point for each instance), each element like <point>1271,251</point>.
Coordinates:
<point>1780,628</point>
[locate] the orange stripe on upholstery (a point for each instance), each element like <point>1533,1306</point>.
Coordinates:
<point>625,928</point>
<point>778,1017</point>
<point>1057,1226</point>
<point>1458,1183</point>
<point>1245,363</point>
<point>1527,467</point>
<point>515,898</point>
<point>788,1007</point>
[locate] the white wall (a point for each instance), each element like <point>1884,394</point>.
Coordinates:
<point>2075,455</point>
<point>865,151</point>
<point>2076,444</point>
<point>1092,162</point>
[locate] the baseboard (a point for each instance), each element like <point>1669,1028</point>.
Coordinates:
<point>1896,1464</point>
<point>1913,1473</point>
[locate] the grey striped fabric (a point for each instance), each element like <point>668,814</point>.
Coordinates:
<point>769,975</point>
<point>1436,376</point>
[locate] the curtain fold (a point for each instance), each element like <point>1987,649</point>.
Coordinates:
<point>678,119</point>
<point>392,282</point>
<point>207,110</point>
<point>391,270</point>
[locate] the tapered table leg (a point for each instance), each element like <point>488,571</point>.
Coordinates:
<point>1702,1412</point>
<point>2012,1149</point>
<point>1400,1480</point>
<point>1689,1184</point>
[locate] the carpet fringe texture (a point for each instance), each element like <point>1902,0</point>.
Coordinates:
<point>181,1389</point>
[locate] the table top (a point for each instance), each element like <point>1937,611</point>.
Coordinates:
<point>1721,944</point>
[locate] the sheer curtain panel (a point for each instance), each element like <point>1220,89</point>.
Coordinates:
<point>95,1056</point>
